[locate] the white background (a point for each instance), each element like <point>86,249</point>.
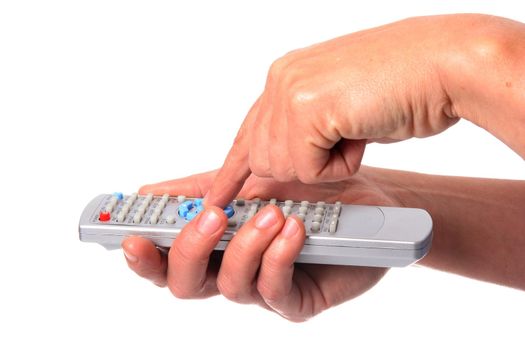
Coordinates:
<point>99,96</point>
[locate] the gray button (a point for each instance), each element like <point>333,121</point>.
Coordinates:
<point>288,203</point>
<point>153,218</point>
<point>304,203</point>
<point>121,216</point>
<point>239,202</point>
<point>286,210</point>
<point>303,210</point>
<point>337,210</point>
<point>273,201</point>
<point>320,204</point>
<point>315,227</point>
<point>300,216</point>
<point>318,218</point>
<point>181,198</point>
<point>137,218</point>
<point>170,219</point>
<point>232,223</point>
<point>319,210</point>
<point>333,226</point>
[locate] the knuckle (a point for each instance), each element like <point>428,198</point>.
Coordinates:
<point>306,176</point>
<point>180,293</point>
<point>227,289</point>
<point>276,69</point>
<point>269,291</point>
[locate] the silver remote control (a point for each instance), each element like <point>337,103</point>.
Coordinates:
<point>338,234</point>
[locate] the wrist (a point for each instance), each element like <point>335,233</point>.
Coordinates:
<point>482,73</point>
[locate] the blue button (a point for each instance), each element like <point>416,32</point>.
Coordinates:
<point>229,211</point>
<point>190,209</point>
<point>118,195</point>
<point>191,215</point>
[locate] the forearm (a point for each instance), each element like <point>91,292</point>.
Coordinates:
<point>483,73</point>
<point>479,224</point>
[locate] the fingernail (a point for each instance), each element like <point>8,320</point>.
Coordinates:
<point>290,228</point>
<point>209,222</point>
<point>130,257</point>
<point>265,218</point>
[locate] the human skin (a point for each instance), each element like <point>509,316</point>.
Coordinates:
<point>478,233</point>
<point>412,78</point>
<point>322,104</point>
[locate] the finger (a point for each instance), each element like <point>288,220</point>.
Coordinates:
<point>242,258</point>
<point>280,159</point>
<point>236,169</point>
<point>328,163</point>
<point>275,282</point>
<point>145,259</point>
<point>260,142</point>
<point>194,186</point>
<point>188,274</point>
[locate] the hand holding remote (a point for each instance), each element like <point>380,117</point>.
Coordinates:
<point>257,266</point>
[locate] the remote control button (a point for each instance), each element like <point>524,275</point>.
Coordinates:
<point>137,218</point>
<point>319,211</point>
<point>104,216</point>
<point>288,203</point>
<point>232,223</point>
<point>315,227</point>
<point>337,210</point>
<point>158,211</point>
<point>170,219</point>
<point>333,226</point>
<point>301,216</point>
<point>256,200</point>
<point>153,218</point>
<point>273,201</point>
<point>118,195</point>
<point>287,210</point>
<point>254,207</point>
<point>191,215</point>
<point>303,210</point>
<point>318,218</point>
<point>304,203</point>
<point>229,211</point>
<point>181,198</point>
<point>121,216</point>
<point>148,199</point>
<point>240,202</point>
<point>320,204</point>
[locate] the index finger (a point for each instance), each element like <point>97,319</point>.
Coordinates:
<point>236,167</point>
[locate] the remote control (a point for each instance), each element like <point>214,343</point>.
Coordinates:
<point>337,233</point>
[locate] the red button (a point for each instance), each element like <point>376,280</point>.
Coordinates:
<point>104,216</point>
